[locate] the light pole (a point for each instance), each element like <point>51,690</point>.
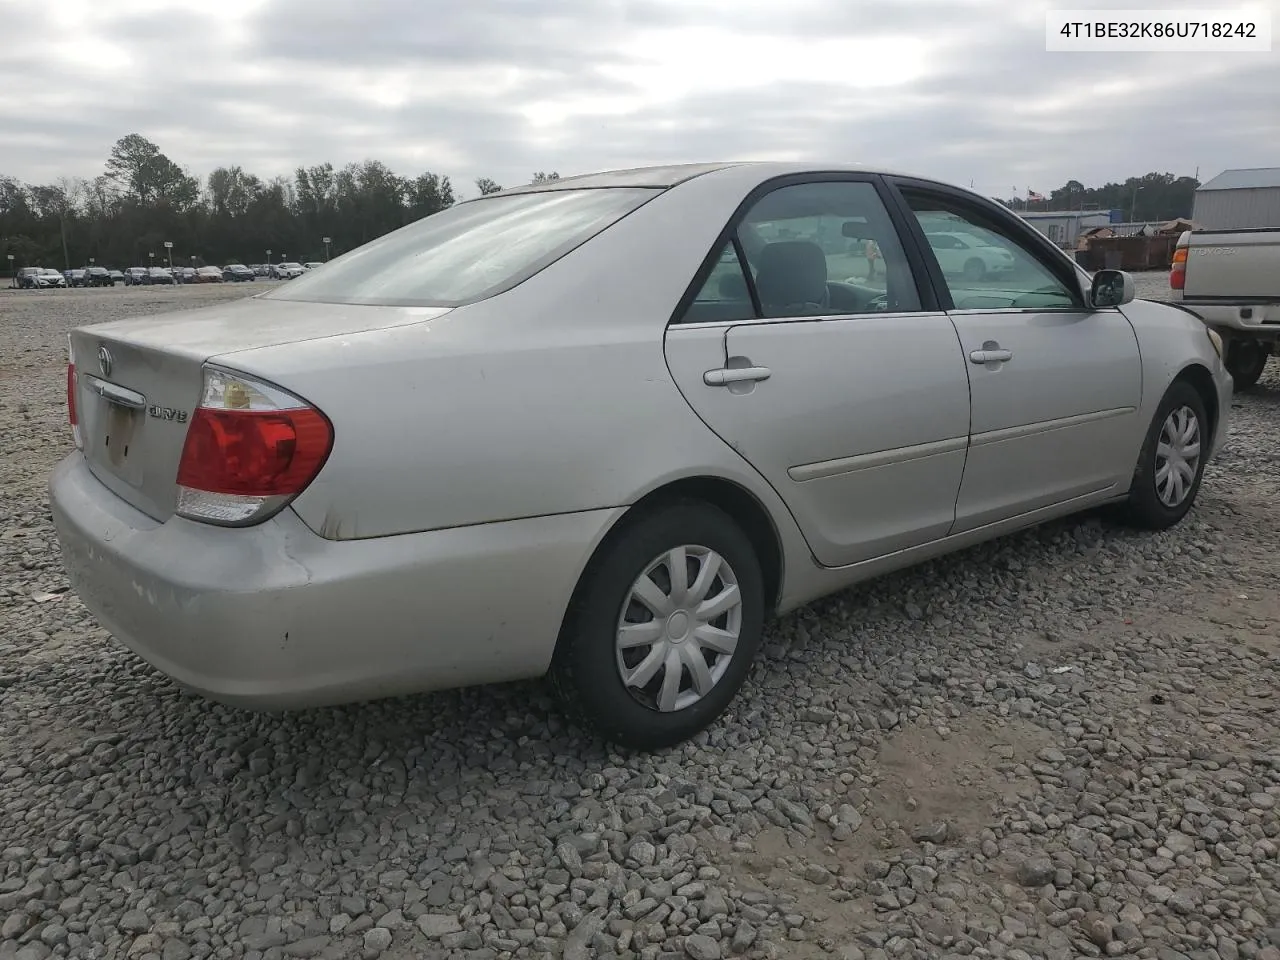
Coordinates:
<point>13,275</point>
<point>1133,206</point>
<point>168,246</point>
<point>326,248</point>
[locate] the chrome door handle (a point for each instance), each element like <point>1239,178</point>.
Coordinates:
<point>990,356</point>
<point>727,375</point>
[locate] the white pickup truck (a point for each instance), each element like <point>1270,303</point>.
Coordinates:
<point>1231,280</point>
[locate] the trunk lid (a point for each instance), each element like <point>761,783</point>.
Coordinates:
<point>1241,265</point>
<point>139,381</point>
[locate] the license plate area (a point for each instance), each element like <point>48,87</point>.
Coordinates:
<point>113,429</point>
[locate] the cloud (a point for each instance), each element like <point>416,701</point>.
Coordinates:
<point>958,89</point>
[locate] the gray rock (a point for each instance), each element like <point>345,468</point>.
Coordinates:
<point>436,925</point>
<point>134,921</point>
<point>376,940</point>
<point>699,947</point>
<point>935,832</point>
<point>1036,872</point>
<point>743,937</point>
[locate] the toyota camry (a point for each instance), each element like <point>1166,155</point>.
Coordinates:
<point>601,429</point>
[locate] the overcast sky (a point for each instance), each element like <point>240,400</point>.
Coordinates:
<point>957,89</point>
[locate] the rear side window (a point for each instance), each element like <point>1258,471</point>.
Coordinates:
<point>467,252</point>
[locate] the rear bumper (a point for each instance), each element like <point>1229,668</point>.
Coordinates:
<point>273,616</point>
<point>1260,320</point>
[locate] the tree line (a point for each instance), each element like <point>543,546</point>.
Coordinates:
<point>1151,197</point>
<point>143,199</point>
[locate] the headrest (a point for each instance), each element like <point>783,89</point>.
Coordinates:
<point>792,272</point>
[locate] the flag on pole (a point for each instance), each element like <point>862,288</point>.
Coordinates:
<point>1033,197</point>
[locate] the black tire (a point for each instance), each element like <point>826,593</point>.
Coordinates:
<point>1144,508</point>
<point>1245,361</point>
<point>585,670</point>
<point>974,269</point>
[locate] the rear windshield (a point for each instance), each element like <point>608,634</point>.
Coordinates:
<point>468,252</point>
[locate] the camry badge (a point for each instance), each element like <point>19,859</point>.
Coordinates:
<point>167,413</point>
<point>104,361</point>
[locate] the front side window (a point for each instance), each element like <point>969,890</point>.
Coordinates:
<point>990,269</point>
<point>466,252</point>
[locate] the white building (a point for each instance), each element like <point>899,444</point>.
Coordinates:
<point>1064,227</point>
<point>1239,199</point>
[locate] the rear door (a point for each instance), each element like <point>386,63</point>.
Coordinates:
<point>849,395</point>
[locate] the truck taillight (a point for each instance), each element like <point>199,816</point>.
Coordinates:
<point>250,449</point>
<point>72,416</point>
<point>1178,269</point>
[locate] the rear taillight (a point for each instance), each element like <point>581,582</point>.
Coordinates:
<point>72,417</point>
<point>1178,268</point>
<point>250,449</point>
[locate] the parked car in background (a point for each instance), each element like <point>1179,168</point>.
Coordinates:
<point>237,273</point>
<point>117,276</point>
<point>261,269</point>
<point>1231,280</point>
<point>969,255</point>
<point>136,277</point>
<point>76,278</point>
<point>98,277</point>
<point>667,428</point>
<point>160,275</point>
<point>287,271</point>
<point>312,265</point>
<point>207,275</point>
<point>41,278</point>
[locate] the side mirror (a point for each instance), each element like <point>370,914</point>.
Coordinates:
<point>1111,288</point>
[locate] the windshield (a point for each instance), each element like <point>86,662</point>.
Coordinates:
<point>468,252</point>
<point>50,272</point>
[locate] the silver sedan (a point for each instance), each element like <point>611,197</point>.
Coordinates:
<point>601,429</point>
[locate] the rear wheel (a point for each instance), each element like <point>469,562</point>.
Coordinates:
<point>664,627</point>
<point>1172,460</point>
<point>1245,361</point>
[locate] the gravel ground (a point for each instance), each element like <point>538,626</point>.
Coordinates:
<point>1062,744</point>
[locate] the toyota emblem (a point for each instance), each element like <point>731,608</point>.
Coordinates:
<point>104,361</point>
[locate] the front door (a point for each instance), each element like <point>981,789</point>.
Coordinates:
<point>847,392</point>
<point>1055,386</point>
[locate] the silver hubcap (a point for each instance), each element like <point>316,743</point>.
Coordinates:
<point>1177,456</point>
<point>679,628</point>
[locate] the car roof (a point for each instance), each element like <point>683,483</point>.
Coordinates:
<point>748,172</point>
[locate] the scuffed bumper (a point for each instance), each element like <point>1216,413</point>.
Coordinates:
<point>274,616</point>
